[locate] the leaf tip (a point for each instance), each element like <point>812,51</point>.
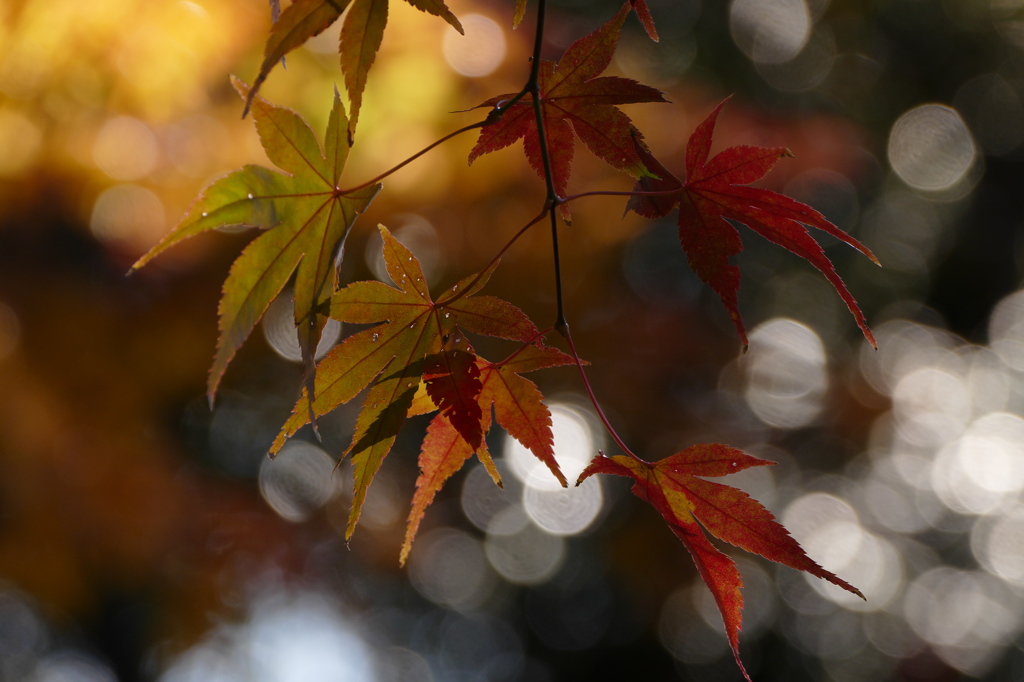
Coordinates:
<point>245,92</point>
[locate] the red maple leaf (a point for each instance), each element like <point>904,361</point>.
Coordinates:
<point>519,408</point>
<point>453,383</point>
<point>717,190</point>
<point>644,15</point>
<point>575,102</point>
<point>670,486</point>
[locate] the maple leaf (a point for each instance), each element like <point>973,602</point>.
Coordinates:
<point>519,13</point>
<point>518,403</point>
<point>361,36</point>
<point>453,384</point>
<point>418,340</point>
<point>519,408</point>
<point>671,487</point>
<point>442,455</point>
<point>305,218</point>
<point>644,14</point>
<point>717,190</point>
<point>575,102</point>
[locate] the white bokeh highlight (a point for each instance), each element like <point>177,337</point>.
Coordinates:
<point>930,148</point>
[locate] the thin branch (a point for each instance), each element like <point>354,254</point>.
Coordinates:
<point>472,126</point>
<point>609,193</point>
<point>536,337</point>
<point>553,199</point>
<point>560,322</point>
<point>564,331</point>
<point>538,43</point>
<point>504,249</point>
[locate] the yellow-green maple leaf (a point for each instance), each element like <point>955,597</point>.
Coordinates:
<point>305,218</point>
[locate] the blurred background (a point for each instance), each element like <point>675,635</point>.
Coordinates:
<point>145,537</point>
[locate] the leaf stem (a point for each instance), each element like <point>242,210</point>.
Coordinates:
<point>564,331</point>
<point>536,337</point>
<point>504,249</point>
<point>610,193</point>
<point>472,126</point>
<point>560,322</point>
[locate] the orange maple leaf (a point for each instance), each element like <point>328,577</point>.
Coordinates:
<point>419,342</point>
<point>519,408</point>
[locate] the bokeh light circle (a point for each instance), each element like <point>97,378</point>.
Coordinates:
<point>575,445</point>
<point>770,31</point>
<point>1006,330</point>
<point>998,544</point>
<point>930,148</point>
<point>479,51</point>
<point>128,214</point>
<point>482,500</point>
<point>521,552</point>
<point>296,482</point>
<point>448,567</point>
<point>281,334</point>
<point>565,511</point>
<point>126,149</point>
<point>786,373</point>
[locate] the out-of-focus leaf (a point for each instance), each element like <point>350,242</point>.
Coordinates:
<point>361,36</point>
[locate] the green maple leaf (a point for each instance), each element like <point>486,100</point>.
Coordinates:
<point>305,218</point>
